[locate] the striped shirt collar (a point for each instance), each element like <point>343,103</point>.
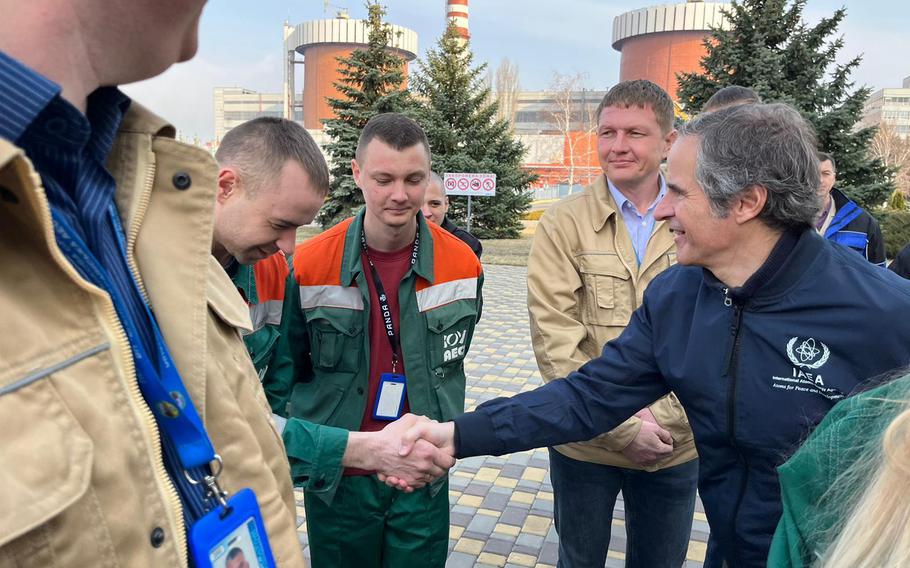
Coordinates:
<point>30,100</point>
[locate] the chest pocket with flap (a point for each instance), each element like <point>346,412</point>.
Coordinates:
<point>608,291</point>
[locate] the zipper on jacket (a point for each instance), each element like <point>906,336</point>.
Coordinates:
<point>132,381</point>
<point>160,471</point>
<point>732,361</point>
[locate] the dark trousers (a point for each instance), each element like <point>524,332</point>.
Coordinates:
<point>659,507</point>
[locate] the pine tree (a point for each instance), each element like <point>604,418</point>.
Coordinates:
<point>459,116</point>
<point>372,82</point>
<point>768,47</point>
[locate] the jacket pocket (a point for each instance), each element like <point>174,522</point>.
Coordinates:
<point>47,462</point>
<point>450,328</point>
<point>608,293</point>
<point>336,338</point>
<point>449,332</point>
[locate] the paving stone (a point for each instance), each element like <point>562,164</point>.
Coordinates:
<point>498,546</point>
<point>491,559</point>
<point>530,541</point>
<point>513,516</point>
<point>477,489</point>
<point>460,560</point>
<point>482,524</point>
<point>495,501</point>
<point>460,519</point>
<point>548,553</point>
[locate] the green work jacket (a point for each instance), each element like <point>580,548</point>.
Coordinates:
<point>326,330</point>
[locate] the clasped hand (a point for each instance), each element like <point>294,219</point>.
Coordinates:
<point>415,451</point>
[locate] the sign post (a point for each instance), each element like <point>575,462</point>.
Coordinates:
<point>472,185</point>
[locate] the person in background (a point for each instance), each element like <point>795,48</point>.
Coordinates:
<point>592,258</point>
<point>844,222</point>
<point>845,491</point>
<point>435,207</point>
<point>730,96</point>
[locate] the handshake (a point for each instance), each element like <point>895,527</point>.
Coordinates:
<point>407,454</point>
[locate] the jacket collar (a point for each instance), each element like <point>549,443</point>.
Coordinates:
<point>351,264</point>
<point>603,205</point>
<point>792,257</point>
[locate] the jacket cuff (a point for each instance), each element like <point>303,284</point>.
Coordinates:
<point>474,435</point>
<point>315,454</point>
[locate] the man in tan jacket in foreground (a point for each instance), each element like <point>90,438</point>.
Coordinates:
<point>592,256</point>
<point>89,477</point>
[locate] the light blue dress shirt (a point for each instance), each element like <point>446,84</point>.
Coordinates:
<point>640,225</point>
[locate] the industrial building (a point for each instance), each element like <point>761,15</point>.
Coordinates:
<point>889,106</point>
<point>658,42</point>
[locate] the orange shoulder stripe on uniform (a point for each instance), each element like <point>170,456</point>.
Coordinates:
<point>456,270</point>
<point>271,274</point>
<point>318,261</point>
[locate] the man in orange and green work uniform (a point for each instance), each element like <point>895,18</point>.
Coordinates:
<point>378,328</point>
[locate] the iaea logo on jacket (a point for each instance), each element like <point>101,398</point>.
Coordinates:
<point>808,353</point>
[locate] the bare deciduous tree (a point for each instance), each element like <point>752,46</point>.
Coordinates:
<point>573,118</point>
<point>506,86</point>
<point>894,151</point>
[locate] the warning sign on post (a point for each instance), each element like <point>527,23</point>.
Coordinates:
<point>481,185</point>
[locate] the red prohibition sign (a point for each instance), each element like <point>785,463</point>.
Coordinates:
<point>475,184</point>
<point>450,183</point>
<point>463,183</point>
<point>488,184</point>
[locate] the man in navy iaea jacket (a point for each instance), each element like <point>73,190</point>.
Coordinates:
<point>763,331</point>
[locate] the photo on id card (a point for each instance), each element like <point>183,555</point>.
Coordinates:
<point>240,549</point>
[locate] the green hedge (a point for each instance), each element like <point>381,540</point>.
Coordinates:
<point>895,229</point>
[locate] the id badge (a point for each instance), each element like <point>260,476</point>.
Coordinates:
<point>390,397</point>
<point>232,540</point>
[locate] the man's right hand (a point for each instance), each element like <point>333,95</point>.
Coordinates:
<point>424,431</point>
<point>651,444</point>
<point>396,453</point>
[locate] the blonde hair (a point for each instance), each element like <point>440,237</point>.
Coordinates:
<point>876,533</point>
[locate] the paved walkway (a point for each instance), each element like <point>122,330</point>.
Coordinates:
<point>502,508</point>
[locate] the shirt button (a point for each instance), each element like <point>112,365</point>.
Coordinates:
<point>157,537</point>
<point>360,390</point>
<point>319,484</point>
<point>182,180</point>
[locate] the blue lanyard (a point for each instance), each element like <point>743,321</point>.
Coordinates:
<point>162,388</point>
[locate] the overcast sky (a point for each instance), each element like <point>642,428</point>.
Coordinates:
<point>241,44</point>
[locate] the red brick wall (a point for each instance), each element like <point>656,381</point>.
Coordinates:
<point>659,56</point>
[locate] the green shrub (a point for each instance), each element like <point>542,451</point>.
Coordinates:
<point>897,202</point>
<point>895,229</point>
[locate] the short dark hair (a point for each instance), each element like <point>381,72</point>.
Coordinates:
<point>641,93</point>
<point>396,130</point>
<point>826,157</point>
<point>259,148</point>
<point>731,95</point>
<point>234,553</point>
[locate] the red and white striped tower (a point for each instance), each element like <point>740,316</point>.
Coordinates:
<point>457,11</point>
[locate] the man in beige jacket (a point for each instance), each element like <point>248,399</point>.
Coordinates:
<point>101,213</point>
<point>592,257</point>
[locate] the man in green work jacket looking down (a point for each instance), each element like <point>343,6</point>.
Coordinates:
<point>272,178</point>
<point>379,327</point>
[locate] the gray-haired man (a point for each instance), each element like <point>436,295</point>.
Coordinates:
<point>763,332</point>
